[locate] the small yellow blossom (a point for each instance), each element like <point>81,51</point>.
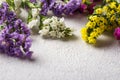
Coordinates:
<point>84,30</point>
<point>85,37</point>
<point>90,24</point>
<point>84,33</point>
<point>108,15</point>
<point>94,34</point>
<point>112,5</point>
<point>112,18</point>
<point>112,12</point>
<point>98,11</point>
<point>105,8</point>
<point>99,30</point>
<point>91,40</point>
<point>118,8</point>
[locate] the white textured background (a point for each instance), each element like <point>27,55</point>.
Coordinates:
<point>66,60</point>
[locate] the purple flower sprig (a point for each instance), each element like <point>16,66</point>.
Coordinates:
<point>60,7</point>
<point>15,36</point>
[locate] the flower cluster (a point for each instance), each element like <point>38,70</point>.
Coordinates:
<point>14,35</point>
<point>59,7</point>
<point>35,20</point>
<point>104,18</point>
<point>55,28</point>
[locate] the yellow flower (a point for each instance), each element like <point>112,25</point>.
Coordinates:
<point>118,8</point>
<point>94,18</point>
<point>112,5</point>
<point>85,37</point>
<point>103,28</point>
<point>101,24</point>
<point>112,18</point>
<point>99,30</point>
<point>90,24</point>
<point>98,11</point>
<point>94,34</point>
<point>108,15</point>
<point>105,8</point>
<point>91,40</point>
<point>103,20</point>
<point>84,33</point>
<point>112,12</point>
<point>84,30</point>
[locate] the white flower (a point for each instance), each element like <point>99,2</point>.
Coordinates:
<point>53,34</point>
<point>23,14</point>
<point>55,27</point>
<point>35,12</point>
<point>47,21</point>
<point>38,2</point>
<point>17,3</point>
<point>61,35</point>
<point>34,23</point>
<point>44,32</point>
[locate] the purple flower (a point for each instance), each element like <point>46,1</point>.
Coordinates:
<point>58,8</point>
<point>15,36</point>
<point>117,33</point>
<point>72,6</point>
<point>45,6</point>
<point>3,12</point>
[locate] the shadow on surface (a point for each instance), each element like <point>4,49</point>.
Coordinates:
<point>73,38</point>
<point>106,40</point>
<point>32,59</point>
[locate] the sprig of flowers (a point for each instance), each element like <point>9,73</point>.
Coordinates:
<point>14,35</point>
<point>104,18</point>
<point>60,7</point>
<point>55,28</point>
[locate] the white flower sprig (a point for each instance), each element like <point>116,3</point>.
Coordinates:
<point>55,27</point>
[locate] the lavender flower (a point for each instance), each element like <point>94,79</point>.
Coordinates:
<point>117,33</point>
<point>15,36</point>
